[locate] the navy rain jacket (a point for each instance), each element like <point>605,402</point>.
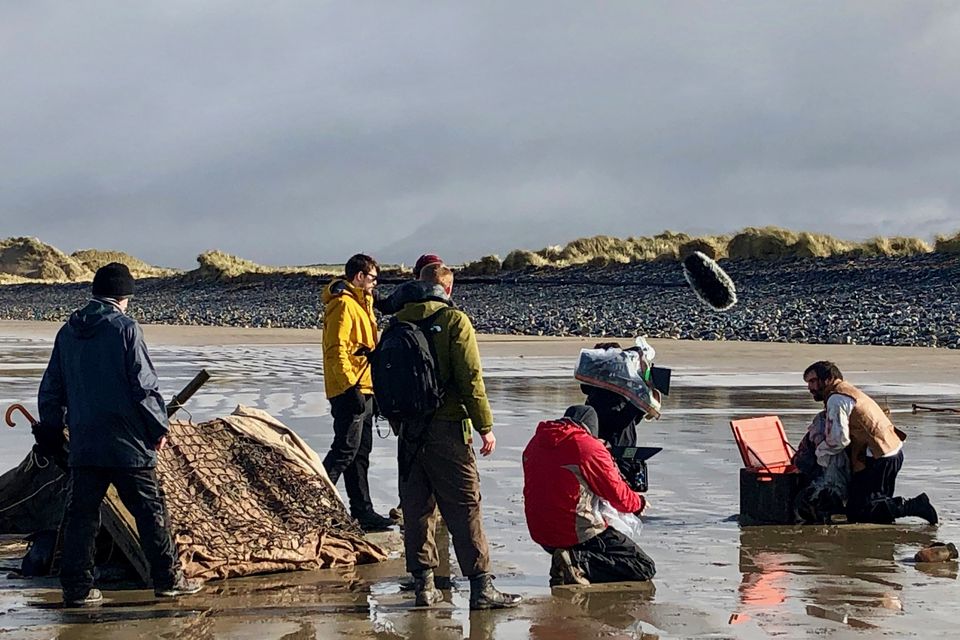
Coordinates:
<point>101,373</point>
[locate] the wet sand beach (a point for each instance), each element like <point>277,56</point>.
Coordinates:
<point>714,579</point>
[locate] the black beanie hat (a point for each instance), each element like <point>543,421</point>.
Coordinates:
<point>585,416</point>
<point>113,281</point>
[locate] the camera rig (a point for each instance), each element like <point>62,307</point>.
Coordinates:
<point>632,462</point>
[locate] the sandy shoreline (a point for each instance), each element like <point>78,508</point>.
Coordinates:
<point>714,579</point>
<point>903,364</point>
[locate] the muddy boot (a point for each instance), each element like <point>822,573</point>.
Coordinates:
<point>920,507</point>
<point>483,595</point>
<point>91,598</point>
<point>937,552</point>
<point>396,514</point>
<point>180,587</point>
<point>563,571</point>
<point>424,589</point>
<point>372,522</point>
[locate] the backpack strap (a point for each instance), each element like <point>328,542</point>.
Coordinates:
<point>427,322</point>
<point>425,326</point>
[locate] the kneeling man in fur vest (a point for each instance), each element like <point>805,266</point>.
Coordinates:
<point>858,427</point>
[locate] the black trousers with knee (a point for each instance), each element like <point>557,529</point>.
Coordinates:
<point>612,557</point>
<point>871,497</point>
<point>349,455</point>
<point>141,495</point>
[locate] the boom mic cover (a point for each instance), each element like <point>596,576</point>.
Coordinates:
<point>709,281</point>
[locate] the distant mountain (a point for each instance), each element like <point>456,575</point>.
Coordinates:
<point>459,240</point>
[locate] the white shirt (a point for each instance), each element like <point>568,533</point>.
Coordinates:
<point>837,437</point>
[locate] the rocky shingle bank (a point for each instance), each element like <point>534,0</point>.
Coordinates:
<point>884,301</point>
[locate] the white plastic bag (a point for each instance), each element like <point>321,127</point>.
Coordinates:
<point>649,354</point>
<point>628,524</point>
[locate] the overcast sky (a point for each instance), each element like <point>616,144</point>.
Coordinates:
<point>303,132</point>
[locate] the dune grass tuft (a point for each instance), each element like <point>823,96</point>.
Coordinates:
<point>520,259</point>
<point>93,259</point>
<point>896,246</point>
<point>485,266</point>
<point>948,244</point>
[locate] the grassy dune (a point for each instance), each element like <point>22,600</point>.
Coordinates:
<point>31,259</point>
<point>28,260</point>
<point>93,259</point>
<point>770,243</point>
<point>217,265</point>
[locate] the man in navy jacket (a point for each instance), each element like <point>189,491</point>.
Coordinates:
<point>101,384</point>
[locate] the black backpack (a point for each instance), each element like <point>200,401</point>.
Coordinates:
<point>406,382</point>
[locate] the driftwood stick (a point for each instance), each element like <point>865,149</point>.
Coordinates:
<point>917,408</point>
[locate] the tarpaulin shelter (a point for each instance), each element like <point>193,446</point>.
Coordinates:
<point>244,495</point>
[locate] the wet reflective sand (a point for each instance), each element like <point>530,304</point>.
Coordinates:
<point>713,580</point>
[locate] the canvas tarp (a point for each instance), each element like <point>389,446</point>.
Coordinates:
<point>246,495</point>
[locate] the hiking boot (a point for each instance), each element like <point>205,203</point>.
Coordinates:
<point>937,552</point>
<point>483,595</point>
<point>424,590</point>
<point>182,587</point>
<point>921,508</point>
<point>563,571</point>
<point>91,598</point>
<point>373,522</point>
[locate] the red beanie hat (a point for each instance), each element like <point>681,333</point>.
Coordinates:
<point>424,260</point>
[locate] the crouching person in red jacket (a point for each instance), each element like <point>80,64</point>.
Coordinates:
<point>566,471</point>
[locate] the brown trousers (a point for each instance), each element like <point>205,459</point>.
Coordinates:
<point>443,474</point>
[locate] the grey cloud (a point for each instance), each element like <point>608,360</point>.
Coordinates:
<point>300,132</point>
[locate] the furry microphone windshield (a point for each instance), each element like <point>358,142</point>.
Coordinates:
<point>710,282</point>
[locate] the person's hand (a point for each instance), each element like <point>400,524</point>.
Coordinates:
<point>489,443</point>
<point>644,503</point>
<point>353,401</point>
<point>50,439</point>
<point>160,444</point>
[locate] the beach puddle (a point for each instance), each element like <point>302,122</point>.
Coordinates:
<point>714,579</point>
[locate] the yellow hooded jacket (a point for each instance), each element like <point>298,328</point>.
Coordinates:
<point>348,324</point>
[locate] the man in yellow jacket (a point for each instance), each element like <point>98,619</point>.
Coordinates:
<point>349,327</point>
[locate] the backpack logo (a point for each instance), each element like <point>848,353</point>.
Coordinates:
<point>404,369</point>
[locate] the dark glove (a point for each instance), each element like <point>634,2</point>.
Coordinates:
<point>50,439</point>
<point>643,505</point>
<point>354,401</point>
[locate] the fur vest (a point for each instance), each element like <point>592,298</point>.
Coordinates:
<point>870,428</point>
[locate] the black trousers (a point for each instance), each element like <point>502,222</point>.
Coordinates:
<point>141,495</point>
<point>612,557</point>
<point>349,455</point>
<point>871,494</point>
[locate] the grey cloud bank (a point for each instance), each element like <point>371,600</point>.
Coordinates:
<point>294,133</point>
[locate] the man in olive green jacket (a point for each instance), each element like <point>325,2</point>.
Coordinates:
<point>443,471</point>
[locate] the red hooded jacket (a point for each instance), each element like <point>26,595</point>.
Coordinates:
<point>565,473</point>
